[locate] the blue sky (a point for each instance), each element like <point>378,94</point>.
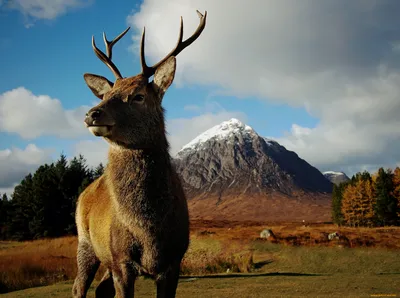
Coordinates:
<point>304,74</point>
<point>51,57</point>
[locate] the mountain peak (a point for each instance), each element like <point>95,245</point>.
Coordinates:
<point>221,131</point>
<point>336,177</point>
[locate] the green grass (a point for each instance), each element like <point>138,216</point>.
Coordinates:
<point>266,285</point>
<point>330,260</point>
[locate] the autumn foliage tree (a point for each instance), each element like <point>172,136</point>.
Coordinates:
<point>368,200</point>
<point>358,203</point>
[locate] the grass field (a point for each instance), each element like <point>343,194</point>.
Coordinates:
<point>265,285</point>
<point>298,265</point>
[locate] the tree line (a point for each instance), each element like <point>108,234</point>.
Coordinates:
<point>368,200</point>
<point>43,204</point>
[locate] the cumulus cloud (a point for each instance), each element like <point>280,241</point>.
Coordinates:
<point>16,163</point>
<point>95,151</point>
<point>45,9</point>
<point>31,116</point>
<point>337,59</point>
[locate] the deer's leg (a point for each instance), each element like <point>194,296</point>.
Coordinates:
<point>106,286</point>
<point>168,282</point>
<point>124,277</point>
<point>88,264</point>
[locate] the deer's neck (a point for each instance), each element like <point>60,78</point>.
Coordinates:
<point>138,174</point>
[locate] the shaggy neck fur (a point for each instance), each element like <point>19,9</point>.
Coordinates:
<point>140,183</point>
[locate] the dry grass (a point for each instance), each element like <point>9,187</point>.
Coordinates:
<point>299,234</point>
<point>35,263</point>
<point>218,246</point>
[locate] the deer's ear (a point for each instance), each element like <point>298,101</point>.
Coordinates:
<point>164,76</point>
<point>98,84</point>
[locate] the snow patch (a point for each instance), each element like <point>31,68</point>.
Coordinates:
<point>221,131</point>
<point>333,173</point>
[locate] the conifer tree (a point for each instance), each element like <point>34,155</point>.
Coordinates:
<point>98,171</point>
<point>396,190</point>
<point>386,204</point>
<point>4,216</point>
<point>350,204</point>
<point>22,211</point>
<point>337,197</point>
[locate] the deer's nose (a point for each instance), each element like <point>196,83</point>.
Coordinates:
<point>92,116</point>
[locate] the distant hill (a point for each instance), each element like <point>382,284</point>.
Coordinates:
<point>336,177</point>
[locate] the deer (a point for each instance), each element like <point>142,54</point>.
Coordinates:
<point>134,219</point>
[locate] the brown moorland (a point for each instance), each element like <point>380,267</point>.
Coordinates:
<point>274,206</point>
<point>218,247</point>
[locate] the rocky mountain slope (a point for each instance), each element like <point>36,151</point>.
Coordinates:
<point>336,177</point>
<point>231,172</point>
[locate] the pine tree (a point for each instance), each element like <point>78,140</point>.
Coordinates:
<point>4,216</point>
<point>45,202</point>
<point>364,176</point>
<point>98,171</point>
<point>396,190</point>
<point>337,197</point>
<point>386,204</point>
<point>21,209</point>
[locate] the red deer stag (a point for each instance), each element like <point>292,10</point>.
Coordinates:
<point>134,218</point>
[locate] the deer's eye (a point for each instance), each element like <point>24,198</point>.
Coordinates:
<point>136,97</point>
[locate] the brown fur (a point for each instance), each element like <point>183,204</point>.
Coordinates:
<point>134,218</point>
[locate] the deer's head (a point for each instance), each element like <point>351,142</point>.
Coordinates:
<point>130,112</point>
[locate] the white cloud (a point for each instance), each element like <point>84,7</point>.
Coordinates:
<point>31,116</point>
<point>16,163</point>
<point>45,9</point>
<point>343,68</point>
<point>95,151</point>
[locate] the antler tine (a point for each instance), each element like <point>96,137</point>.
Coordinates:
<point>110,44</point>
<point>145,69</point>
<point>180,45</point>
<point>107,59</point>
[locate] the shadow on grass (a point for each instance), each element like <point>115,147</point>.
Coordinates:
<point>249,275</point>
<point>261,264</point>
<point>388,273</point>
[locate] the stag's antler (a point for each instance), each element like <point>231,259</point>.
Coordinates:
<point>107,59</point>
<point>149,71</point>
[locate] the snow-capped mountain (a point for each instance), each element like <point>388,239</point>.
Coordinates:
<point>231,160</point>
<point>336,177</point>
<point>224,131</point>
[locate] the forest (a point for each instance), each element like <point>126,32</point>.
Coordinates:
<point>43,204</point>
<point>368,200</point>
